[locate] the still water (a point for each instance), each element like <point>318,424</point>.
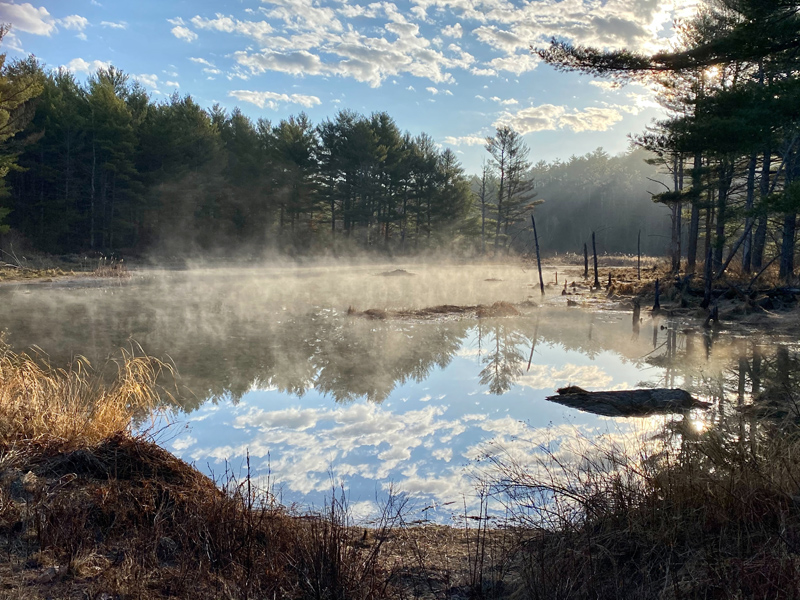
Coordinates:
<point>272,367</point>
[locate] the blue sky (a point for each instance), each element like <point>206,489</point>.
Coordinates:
<point>455,69</point>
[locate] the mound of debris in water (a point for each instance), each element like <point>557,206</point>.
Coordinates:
<point>481,311</point>
<point>628,403</point>
<point>396,273</point>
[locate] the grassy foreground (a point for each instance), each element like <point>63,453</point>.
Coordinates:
<point>89,510</point>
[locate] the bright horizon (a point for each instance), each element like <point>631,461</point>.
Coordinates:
<point>454,69</point>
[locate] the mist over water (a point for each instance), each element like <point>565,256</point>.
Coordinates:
<point>272,366</point>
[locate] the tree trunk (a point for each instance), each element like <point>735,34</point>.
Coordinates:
<point>725,175</point>
<point>787,247</point>
<point>694,223</point>
<point>747,245</point>
<point>760,237</point>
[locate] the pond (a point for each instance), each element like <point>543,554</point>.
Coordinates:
<point>275,371</point>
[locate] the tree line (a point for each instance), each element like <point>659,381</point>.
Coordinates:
<point>732,138</point>
<point>99,166</point>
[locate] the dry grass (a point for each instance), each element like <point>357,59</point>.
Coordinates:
<point>111,267</point>
<point>89,510</point>
<point>72,406</point>
<point>718,516</point>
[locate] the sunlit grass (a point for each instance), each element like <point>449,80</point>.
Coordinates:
<point>73,406</point>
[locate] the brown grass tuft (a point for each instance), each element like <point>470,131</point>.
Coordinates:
<point>73,406</point>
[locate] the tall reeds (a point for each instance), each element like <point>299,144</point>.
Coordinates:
<point>707,514</point>
<point>73,406</point>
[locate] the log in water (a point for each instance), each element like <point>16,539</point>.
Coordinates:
<point>628,403</point>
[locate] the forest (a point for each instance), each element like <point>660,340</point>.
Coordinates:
<point>101,167</point>
<point>730,140</point>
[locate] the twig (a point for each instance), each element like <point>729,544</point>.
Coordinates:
<point>752,281</point>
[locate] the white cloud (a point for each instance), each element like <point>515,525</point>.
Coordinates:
<point>257,30</point>
<point>549,117</point>
<point>483,72</point>
<point>467,140</point>
<point>506,102</point>
<point>273,100</point>
<point>516,63</point>
<point>591,119</point>
<point>499,39</point>
<point>454,31</point>
<point>202,61</point>
<point>548,377</point>
<point>82,36</point>
<point>172,84</point>
<point>307,38</point>
<point>184,442</point>
<point>149,80</point>
<point>606,86</point>
<point>432,90</point>
<point>306,15</point>
<point>74,22</point>
<point>25,17</point>
<point>296,63</point>
<point>114,25</point>
<point>184,33</point>
<point>78,65</point>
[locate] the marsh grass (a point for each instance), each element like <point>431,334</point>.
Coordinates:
<point>74,406</point>
<point>91,507</point>
<point>717,516</point>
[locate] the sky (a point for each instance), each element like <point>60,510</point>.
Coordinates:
<point>454,69</point>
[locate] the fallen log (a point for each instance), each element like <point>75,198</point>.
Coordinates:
<point>628,403</point>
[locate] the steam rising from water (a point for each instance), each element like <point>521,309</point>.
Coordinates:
<point>275,366</point>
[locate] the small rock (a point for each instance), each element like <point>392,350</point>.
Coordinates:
<point>50,575</point>
<point>30,482</point>
<point>167,549</point>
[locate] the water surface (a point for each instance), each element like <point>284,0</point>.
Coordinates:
<point>273,368</point>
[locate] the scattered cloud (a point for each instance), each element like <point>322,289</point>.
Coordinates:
<point>499,39</point>
<point>482,72</point>
<point>467,140</point>
<point>184,33</point>
<point>25,17</point>
<point>208,67</point>
<point>78,65</point>
<point>606,86</point>
<point>548,117</point>
<point>454,31</point>
<point>257,30</point>
<point>506,102</point>
<point>274,100</point>
<point>114,25</point>
<point>149,80</point>
<point>172,84</point>
<point>516,63</point>
<point>74,22</point>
